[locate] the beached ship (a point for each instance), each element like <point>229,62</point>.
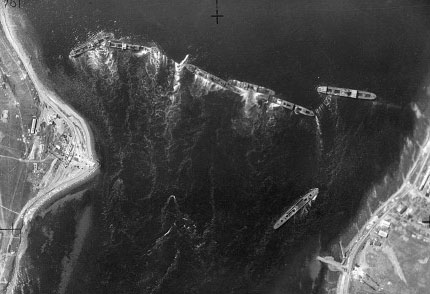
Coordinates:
<point>291,106</point>
<point>251,87</point>
<point>91,45</point>
<point>115,44</point>
<point>201,73</point>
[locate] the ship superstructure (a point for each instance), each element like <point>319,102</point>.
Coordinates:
<point>297,206</point>
<point>345,92</point>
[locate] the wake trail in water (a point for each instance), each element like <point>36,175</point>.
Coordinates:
<point>319,136</point>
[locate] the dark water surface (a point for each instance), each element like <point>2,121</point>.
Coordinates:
<point>290,46</point>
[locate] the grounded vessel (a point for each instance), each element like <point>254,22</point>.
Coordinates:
<point>233,85</point>
<point>251,87</point>
<point>201,73</point>
<point>291,106</point>
<point>125,46</point>
<point>86,47</point>
<point>301,203</point>
<point>115,44</point>
<point>344,92</point>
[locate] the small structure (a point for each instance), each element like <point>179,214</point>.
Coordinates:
<point>375,242</point>
<point>5,115</point>
<point>428,191</point>
<point>409,211</point>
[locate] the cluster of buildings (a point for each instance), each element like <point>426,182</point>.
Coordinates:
<point>359,274</point>
<point>407,218</point>
<point>381,232</point>
<point>62,149</point>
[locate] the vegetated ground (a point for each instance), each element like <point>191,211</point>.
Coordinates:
<point>18,105</point>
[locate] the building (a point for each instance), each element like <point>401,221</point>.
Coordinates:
<point>384,224</point>
<point>401,209</point>
<point>383,234</point>
<point>409,211</point>
<point>33,125</point>
<point>5,116</point>
<point>375,242</point>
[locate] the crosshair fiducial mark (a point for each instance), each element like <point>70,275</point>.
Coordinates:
<point>427,221</point>
<point>217,15</point>
<point>11,229</point>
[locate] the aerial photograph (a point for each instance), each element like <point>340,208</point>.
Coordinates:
<point>215,147</point>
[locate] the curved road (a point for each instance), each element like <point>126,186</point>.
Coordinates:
<point>81,138</point>
<point>409,184</point>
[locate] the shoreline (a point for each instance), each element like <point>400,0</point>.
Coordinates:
<point>415,152</point>
<point>84,138</point>
<point>41,87</point>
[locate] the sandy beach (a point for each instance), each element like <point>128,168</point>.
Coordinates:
<point>15,32</point>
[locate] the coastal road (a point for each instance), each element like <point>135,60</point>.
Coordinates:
<point>81,139</point>
<point>354,246</point>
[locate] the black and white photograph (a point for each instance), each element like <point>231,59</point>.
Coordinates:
<point>214,147</point>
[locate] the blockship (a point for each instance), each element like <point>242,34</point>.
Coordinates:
<point>115,44</point>
<point>197,71</point>
<point>296,207</point>
<point>125,46</point>
<point>76,52</point>
<point>251,87</point>
<point>344,92</point>
<point>291,106</point>
<point>238,87</point>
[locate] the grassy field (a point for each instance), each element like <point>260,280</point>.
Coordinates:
<point>18,106</point>
<point>400,266</point>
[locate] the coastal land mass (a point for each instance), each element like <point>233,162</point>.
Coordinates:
<point>51,144</point>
